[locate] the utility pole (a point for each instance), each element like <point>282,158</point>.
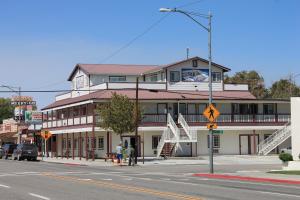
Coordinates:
<point>211,152</point>
<point>136,119</point>
<point>19,126</point>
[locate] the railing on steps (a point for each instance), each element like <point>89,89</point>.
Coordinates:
<point>172,125</point>
<point>192,134</point>
<point>167,137</point>
<point>274,140</point>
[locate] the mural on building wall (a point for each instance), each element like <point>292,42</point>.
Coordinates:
<point>194,75</point>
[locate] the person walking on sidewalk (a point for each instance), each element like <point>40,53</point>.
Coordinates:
<point>130,153</point>
<point>119,153</point>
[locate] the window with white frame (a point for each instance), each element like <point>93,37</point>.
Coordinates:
<point>100,143</point>
<point>117,78</point>
<point>216,76</point>
<point>216,141</point>
<point>79,82</point>
<point>174,76</point>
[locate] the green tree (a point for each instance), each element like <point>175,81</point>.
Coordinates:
<point>254,80</point>
<point>118,114</point>
<point>284,89</point>
<point>6,109</point>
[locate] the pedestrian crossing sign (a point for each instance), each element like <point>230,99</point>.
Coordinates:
<point>211,113</point>
<point>46,134</point>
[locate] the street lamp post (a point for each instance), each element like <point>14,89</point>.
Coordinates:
<point>208,29</point>
<point>19,100</point>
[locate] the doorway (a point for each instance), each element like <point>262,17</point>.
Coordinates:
<point>246,144</point>
<point>130,141</point>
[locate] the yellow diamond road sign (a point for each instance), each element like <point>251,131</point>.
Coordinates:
<point>46,134</point>
<point>211,113</point>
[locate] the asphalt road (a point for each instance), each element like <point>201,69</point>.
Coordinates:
<point>23,180</point>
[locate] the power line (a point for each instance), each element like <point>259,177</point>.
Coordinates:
<point>135,38</point>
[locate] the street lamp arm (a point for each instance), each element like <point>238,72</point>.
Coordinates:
<point>189,16</point>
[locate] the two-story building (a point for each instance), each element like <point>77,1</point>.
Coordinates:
<point>173,98</point>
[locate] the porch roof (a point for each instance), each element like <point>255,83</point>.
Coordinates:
<point>156,95</point>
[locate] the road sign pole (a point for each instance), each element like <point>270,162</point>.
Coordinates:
<point>211,165</point>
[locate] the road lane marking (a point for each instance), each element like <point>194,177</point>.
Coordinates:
<point>127,188</point>
<point>84,179</point>
<point>4,186</point>
<point>106,179</point>
<point>280,194</point>
<point>39,196</point>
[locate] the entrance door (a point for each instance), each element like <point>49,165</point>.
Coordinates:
<point>130,141</point>
<point>244,145</point>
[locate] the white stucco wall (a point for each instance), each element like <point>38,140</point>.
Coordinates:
<point>295,114</point>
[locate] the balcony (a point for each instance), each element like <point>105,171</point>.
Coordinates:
<point>241,119</point>
<point>83,120</point>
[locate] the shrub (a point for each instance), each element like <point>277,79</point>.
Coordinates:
<point>285,157</point>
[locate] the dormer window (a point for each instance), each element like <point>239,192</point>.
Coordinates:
<point>153,78</point>
<point>117,79</point>
<point>195,63</point>
<point>174,76</point>
<point>79,82</point>
<point>216,76</point>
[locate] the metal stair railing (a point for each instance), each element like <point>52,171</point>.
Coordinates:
<point>172,125</point>
<point>165,137</point>
<point>192,134</point>
<point>278,137</point>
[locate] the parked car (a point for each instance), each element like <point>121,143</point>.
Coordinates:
<point>25,151</point>
<point>8,149</point>
<point>286,150</point>
<point>1,153</point>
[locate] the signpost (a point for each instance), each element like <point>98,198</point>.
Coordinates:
<point>211,113</point>
<point>46,135</point>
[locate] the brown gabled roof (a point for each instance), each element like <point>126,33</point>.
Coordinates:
<point>156,95</point>
<point>225,69</point>
<point>112,69</point>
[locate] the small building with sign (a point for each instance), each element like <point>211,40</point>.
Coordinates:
<point>173,97</point>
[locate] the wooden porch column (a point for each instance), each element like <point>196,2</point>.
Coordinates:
<point>107,143</point>
<point>73,146</point>
<point>80,146</point>
<point>62,146</point>
<point>86,146</point>
<point>56,143</point>
<point>67,146</point>
<point>254,142</point>
<point>93,136</point>
<point>51,138</point>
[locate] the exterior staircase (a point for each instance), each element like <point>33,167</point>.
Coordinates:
<point>173,135</point>
<point>277,138</point>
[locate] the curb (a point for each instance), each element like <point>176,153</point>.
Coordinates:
<point>248,178</point>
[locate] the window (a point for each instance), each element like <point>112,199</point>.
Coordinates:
<point>64,143</point>
<point>216,76</point>
<point>192,108</point>
<point>54,115</point>
<point>79,82</point>
<point>117,78</point>
<point>216,141</point>
<point>155,141</point>
<point>75,143</point>
<point>75,112</point>
<point>153,78</point>
<point>161,108</point>
<point>195,63</point>
<point>69,143</point>
<point>100,143</point>
<point>83,110</point>
<point>269,109</point>
<point>174,76</point>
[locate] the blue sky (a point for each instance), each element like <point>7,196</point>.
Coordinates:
<point>41,41</point>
